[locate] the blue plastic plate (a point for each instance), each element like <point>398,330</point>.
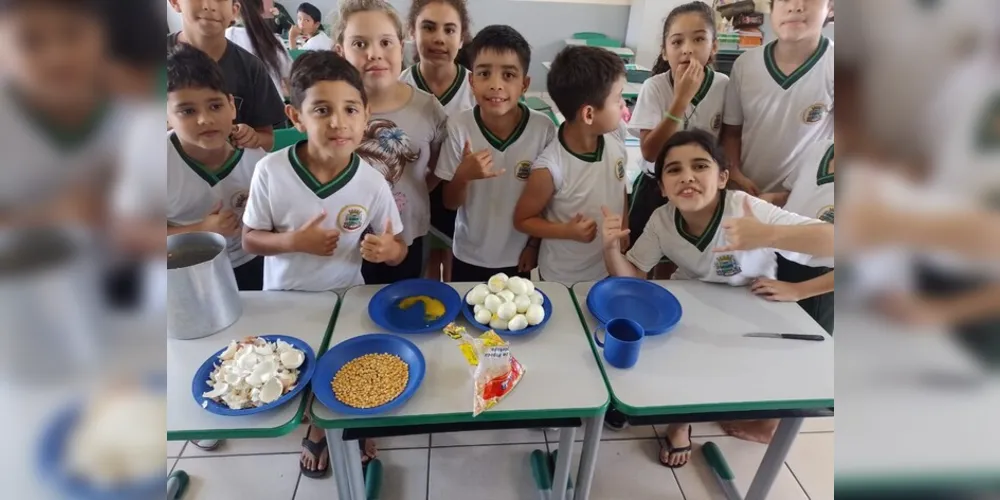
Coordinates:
<point>384,308</point>
<point>470,316</point>
<point>646,303</point>
<point>375,343</point>
<point>52,469</point>
<point>199,384</point>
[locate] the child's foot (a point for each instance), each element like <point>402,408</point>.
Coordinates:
<point>368,451</point>
<point>615,420</point>
<point>757,431</point>
<point>676,451</point>
<point>315,458</point>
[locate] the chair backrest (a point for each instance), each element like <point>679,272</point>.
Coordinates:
<point>537,104</point>
<point>603,42</point>
<point>285,137</point>
<point>294,54</point>
<point>586,35</point>
<point>637,75</point>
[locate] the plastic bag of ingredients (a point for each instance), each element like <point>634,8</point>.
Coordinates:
<point>494,371</point>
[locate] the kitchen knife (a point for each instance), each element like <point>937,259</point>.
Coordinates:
<point>791,336</point>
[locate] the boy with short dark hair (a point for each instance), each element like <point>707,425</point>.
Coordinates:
<point>317,209</point>
<point>487,159</point>
<point>582,171</point>
<point>208,179</point>
<point>308,27</point>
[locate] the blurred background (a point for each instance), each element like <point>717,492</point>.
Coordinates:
<point>82,270</point>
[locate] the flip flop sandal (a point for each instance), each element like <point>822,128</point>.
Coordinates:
<point>316,448</point>
<point>182,483</point>
<point>215,443</point>
<point>669,448</point>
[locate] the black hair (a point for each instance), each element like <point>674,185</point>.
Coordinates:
<point>190,68</point>
<point>267,47</point>
<point>311,11</point>
<point>696,136</point>
<point>321,66</point>
<point>501,38</point>
<point>463,58</point>
<point>132,41</point>
<point>696,7</point>
<point>581,76</point>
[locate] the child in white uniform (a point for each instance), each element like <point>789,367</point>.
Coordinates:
<point>405,130</point>
<point>581,172</point>
<point>780,98</point>
<point>307,34</point>
<point>711,234</point>
<point>488,157</point>
<point>208,180</point>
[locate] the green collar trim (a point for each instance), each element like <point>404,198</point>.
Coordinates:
<point>824,175</point>
<point>317,187</point>
<point>498,143</point>
<point>449,94</point>
<point>212,178</point>
<point>64,138</point>
<point>705,238</point>
<point>592,157</point>
<point>786,81</point>
<point>706,85</point>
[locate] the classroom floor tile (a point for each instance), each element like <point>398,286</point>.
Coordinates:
<point>235,478</point>
<point>478,438</point>
<point>628,469</point>
<point>289,443</point>
<point>404,477</point>
<point>818,424</point>
<point>630,432</point>
<point>489,472</point>
<point>696,478</point>
<point>174,448</point>
<point>811,462</point>
<point>404,442</point>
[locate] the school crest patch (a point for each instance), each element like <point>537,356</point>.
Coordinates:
<point>523,170</point>
<point>717,122</point>
<point>352,218</point>
<point>727,265</point>
<point>814,113</point>
<point>826,214</point>
<point>620,168</point>
<point>239,200</point>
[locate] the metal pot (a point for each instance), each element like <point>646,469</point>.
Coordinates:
<point>202,297</point>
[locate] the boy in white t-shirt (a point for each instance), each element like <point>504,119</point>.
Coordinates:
<point>208,180</point>
<point>316,209</point>
<point>487,159</point>
<point>780,97</point>
<point>307,34</point>
<point>581,172</point>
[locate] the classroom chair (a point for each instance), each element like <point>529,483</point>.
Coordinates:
<point>637,75</point>
<point>603,42</point>
<point>285,137</point>
<point>294,54</point>
<point>587,35</point>
<point>538,104</point>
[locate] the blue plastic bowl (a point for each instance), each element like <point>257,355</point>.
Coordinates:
<point>470,316</point>
<point>384,308</point>
<point>375,343</point>
<point>644,302</point>
<point>199,384</point>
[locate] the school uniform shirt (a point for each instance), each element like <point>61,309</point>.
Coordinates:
<point>583,183</point>
<point>284,196</point>
<point>696,257</point>
<point>192,190</point>
<point>319,41</point>
<point>258,103</point>
<point>400,144</point>
<point>811,185</point>
<point>239,36</point>
<point>781,114</point>
<point>457,98</point>
<point>657,94</point>
<point>484,227</point>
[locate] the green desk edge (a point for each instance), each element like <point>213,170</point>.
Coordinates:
<point>802,404</point>
<point>492,415</point>
<point>279,431</point>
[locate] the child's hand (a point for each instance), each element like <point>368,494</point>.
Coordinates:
<point>294,32</point>
<point>776,291</point>
<point>313,239</point>
<point>611,229</point>
<point>244,136</point>
<point>220,221</point>
<point>746,232</point>
<point>476,166</point>
<point>528,259</point>
<point>582,229</point>
<point>382,248</point>
<point>743,183</point>
<point>687,85</point>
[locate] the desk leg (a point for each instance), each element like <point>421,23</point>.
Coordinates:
<point>560,477</point>
<point>357,478</point>
<point>774,458</point>
<point>339,462</point>
<point>588,456</point>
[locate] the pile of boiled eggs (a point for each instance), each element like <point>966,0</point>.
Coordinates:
<point>507,303</point>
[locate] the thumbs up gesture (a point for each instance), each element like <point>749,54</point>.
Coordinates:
<point>380,248</point>
<point>220,221</point>
<point>311,238</point>
<point>476,165</point>
<point>611,229</point>
<point>582,229</point>
<point>746,232</point>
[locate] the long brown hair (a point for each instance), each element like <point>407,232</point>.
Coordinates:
<point>262,38</point>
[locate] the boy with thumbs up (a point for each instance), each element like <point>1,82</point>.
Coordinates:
<point>316,209</point>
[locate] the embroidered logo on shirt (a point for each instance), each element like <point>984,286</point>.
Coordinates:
<point>826,214</point>
<point>814,113</point>
<point>352,218</point>
<point>717,122</point>
<point>523,170</point>
<point>727,265</point>
<point>620,168</point>
<point>239,200</point>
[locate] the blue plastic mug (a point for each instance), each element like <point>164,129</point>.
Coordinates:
<point>622,341</point>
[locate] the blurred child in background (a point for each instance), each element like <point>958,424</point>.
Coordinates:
<point>307,34</point>
<point>256,37</point>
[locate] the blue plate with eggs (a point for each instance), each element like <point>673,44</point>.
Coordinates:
<point>385,307</point>
<point>469,312</point>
